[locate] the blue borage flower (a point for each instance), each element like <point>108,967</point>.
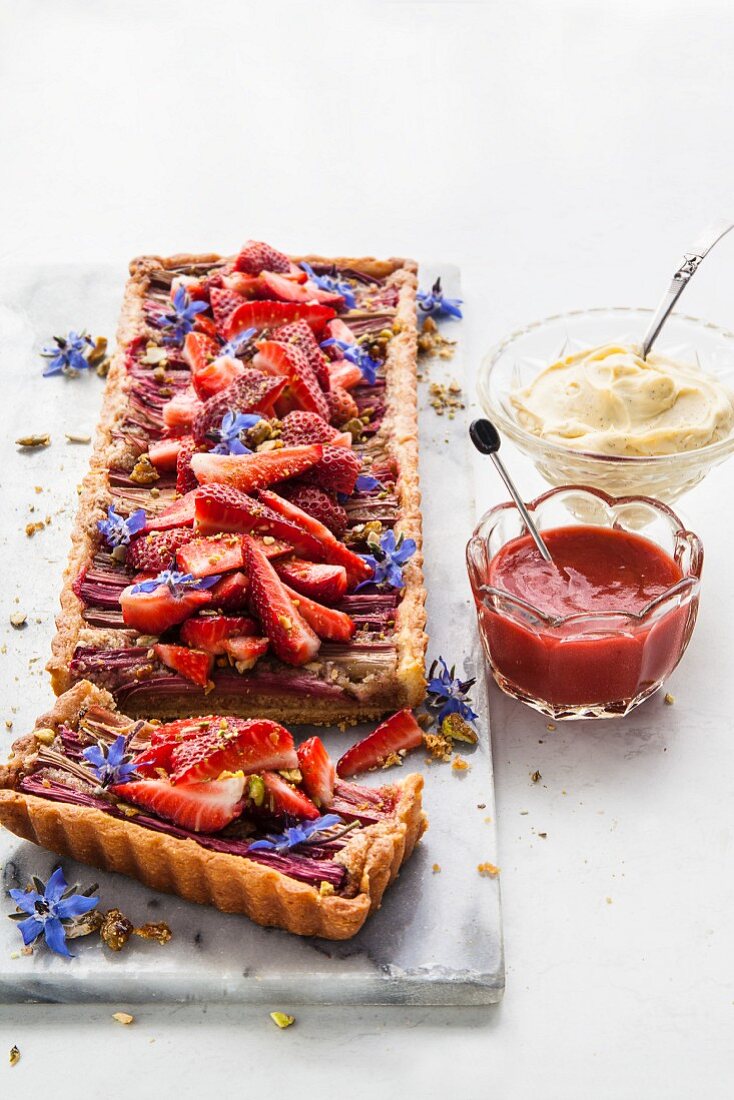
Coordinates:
<point>68,354</point>
<point>177,582</point>
<point>299,834</point>
<point>448,692</point>
<point>179,319</point>
<point>118,531</point>
<point>366,483</point>
<point>238,343</point>
<point>233,425</point>
<point>387,561</point>
<point>332,285</point>
<point>112,764</point>
<point>356,354</point>
<point>433,302</point>
<point>50,909</point>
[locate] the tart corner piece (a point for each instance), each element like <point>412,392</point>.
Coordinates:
<point>165,859</point>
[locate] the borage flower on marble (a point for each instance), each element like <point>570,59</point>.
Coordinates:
<point>237,344</point>
<point>387,559</point>
<point>117,531</point>
<point>179,319</point>
<point>50,909</point>
<point>298,834</point>
<point>232,427</point>
<point>331,285</point>
<point>178,583</point>
<point>434,303</point>
<point>68,354</point>
<point>111,764</point>
<point>355,353</point>
<point>448,692</point>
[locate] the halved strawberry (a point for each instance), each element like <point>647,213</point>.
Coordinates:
<point>163,453</point>
<point>198,351</point>
<point>192,664</point>
<point>282,799</point>
<point>151,553</point>
<point>300,427</point>
<point>342,406</point>
<point>185,480</point>
<point>230,594</point>
<point>332,550</point>
<point>180,412</point>
<point>210,632</point>
<point>200,807</point>
<point>286,290</point>
<point>262,315</point>
<point>318,580</point>
<point>300,334</point>
<point>205,556</point>
<point>247,286</point>
<point>222,508</point>
<point>397,733</point>
<point>205,325</point>
<point>318,771</point>
<point>338,330</point>
<point>322,506</point>
<point>178,514</point>
<point>292,361</point>
<point>246,651</point>
<point>224,303</point>
<point>254,471</point>
<point>155,612</point>
<point>252,392</point>
<point>293,639</point>
<point>337,470</point>
<point>327,622</point>
<point>217,376</point>
<point>233,744</point>
<point>257,256</point>
<point>345,374</point>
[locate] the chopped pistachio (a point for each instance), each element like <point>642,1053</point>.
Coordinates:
<point>326,889</point>
<point>282,1019</point>
<point>98,352</point>
<point>18,619</point>
<point>144,472</point>
<point>14,1055</point>
<point>115,930</point>
<point>536,776</point>
<point>34,440</point>
<point>669,699</point>
<point>45,735</point>
<point>155,930</point>
<point>256,789</point>
<point>458,729</point>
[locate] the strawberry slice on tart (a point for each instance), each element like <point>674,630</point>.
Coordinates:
<point>201,807</point>
<point>224,508</point>
<point>211,632</point>
<point>285,800</point>
<point>230,593</point>
<point>319,580</point>
<point>330,625</point>
<point>192,664</point>
<point>257,256</point>
<point>180,513</point>
<point>331,549</point>
<point>152,608</point>
<point>248,472</point>
<point>164,453</point>
<point>289,360</point>
<point>398,733</point>
<point>246,651</point>
<point>318,771</point>
<point>234,745</point>
<point>293,640</point>
<point>265,314</point>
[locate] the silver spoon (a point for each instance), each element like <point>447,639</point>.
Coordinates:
<point>486,439</point>
<point>691,263</point>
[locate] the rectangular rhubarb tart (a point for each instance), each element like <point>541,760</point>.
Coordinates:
<point>248,540</point>
<point>220,810</point>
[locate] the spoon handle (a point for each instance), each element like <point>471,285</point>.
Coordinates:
<point>691,262</point>
<point>533,530</point>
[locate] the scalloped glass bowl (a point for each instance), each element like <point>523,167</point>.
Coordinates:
<point>595,665</point>
<point>519,358</point>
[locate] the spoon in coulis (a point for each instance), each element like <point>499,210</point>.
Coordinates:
<point>486,439</point>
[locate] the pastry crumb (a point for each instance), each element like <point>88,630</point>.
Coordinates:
<point>438,746</point>
<point>326,889</point>
<point>669,699</point>
<point>18,619</point>
<point>29,441</point>
<point>536,776</point>
<point>14,1055</point>
<point>123,1018</point>
<point>32,528</point>
<point>488,869</point>
<point>458,764</point>
<point>436,868</point>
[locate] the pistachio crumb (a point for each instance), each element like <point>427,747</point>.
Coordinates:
<point>30,441</point>
<point>536,776</point>
<point>282,1019</point>
<point>458,764</point>
<point>436,868</point>
<point>14,1055</point>
<point>326,889</point>
<point>488,869</point>
<point>669,699</point>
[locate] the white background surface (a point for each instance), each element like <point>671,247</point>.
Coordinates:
<point>564,155</point>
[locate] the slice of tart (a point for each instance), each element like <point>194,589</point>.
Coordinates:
<point>249,534</point>
<point>220,810</point>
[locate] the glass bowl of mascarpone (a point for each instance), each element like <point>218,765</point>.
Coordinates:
<point>574,394</point>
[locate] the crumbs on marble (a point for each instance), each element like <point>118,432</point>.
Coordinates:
<point>431,342</point>
<point>438,746</point>
<point>436,868</point>
<point>458,764</point>
<point>445,398</point>
<point>123,1018</point>
<point>282,1019</point>
<point>18,619</point>
<point>488,869</point>
<point>32,528</point>
<point>668,699</point>
<point>14,1055</point>
<point>72,437</point>
<point>31,441</point>
<point>536,776</point>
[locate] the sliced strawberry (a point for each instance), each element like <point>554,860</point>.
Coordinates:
<point>185,480</point>
<point>261,315</point>
<point>195,286</point>
<point>282,799</point>
<point>342,406</point>
<point>397,733</point>
<point>300,427</point>
<point>155,552</point>
<point>338,330</point>
<point>318,771</point>
<point>257,256</point>
<point>198,351</point>
<point>180,412</point>
<point>234,745</point>
<point>206,325</point>
<point>293,640</point>
<point>192,664</point>
<point>178,514</point>
<point>247,286</point>
<point>224,303</point>
<point>157,611</point>
<point>286,290</point>
<point>327,622</point>
<point>222,508</point>
<point>200,807</point>
<point>203,557</point>
<point>251,392</point>
<point>254,471</point>
<point>163,453</point>
<point>345,374</point>
<point>300,334</point>
<point>317,580</point>
<point>322,506</point>
<point>210,632</point>
<point>332,550</point>
<point>246,651</point>
<point>337,470</point>
<point>217,376</point>
<point>231,592</point>
<point>292,361</point>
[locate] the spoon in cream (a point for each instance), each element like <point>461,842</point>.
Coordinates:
<point>486,439</point>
